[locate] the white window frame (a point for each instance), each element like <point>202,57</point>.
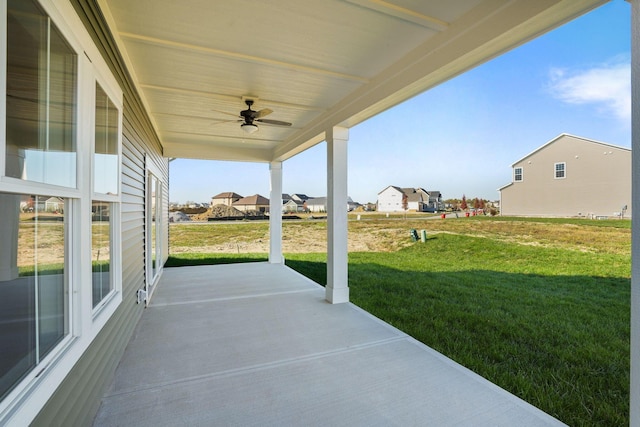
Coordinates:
<point>515,174</point>
<point>105,309</point>
<point>28,397</point>
<point>564,170</point>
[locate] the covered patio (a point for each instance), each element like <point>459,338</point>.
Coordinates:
<point>246,81</point>
<point>258,344</point>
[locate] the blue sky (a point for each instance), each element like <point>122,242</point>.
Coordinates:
<point>465,134</point>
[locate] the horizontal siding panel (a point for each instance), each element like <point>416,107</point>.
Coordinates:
<point>130,182</point>
<point>132,202</point>
<point>132,230</point>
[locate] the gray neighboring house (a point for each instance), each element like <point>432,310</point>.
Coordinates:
<point>570,176</point>
<point>293,206</point>
<point>316,204</point>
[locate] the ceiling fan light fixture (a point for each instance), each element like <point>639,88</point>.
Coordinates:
<point>249,127</point>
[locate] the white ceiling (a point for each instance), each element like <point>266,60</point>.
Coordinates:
<point>315,63</point>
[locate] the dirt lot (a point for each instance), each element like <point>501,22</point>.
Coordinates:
<point>385,235</point>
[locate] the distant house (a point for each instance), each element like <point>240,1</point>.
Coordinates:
<point>397,199</point>
<point>227,199</point>
<point>435,202</point>
<point>291,206</point>
<point>54,204</point>
<point>570,176</point>
<point>316,204</point>
<point>252,203</point>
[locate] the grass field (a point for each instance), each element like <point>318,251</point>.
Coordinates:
<point>539,307</point>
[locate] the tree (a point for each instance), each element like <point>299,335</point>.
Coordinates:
<point>476,203</point>
<point>463,203</point>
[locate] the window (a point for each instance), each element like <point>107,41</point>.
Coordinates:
<point>517,174</point>
<point>34,289</point>
<point>40,147</point>
<point>41,98</point>
<point>105,190</point>
<point>61,102</point>
<point>560,170</point>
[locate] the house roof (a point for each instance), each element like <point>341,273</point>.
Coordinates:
<point>391,186</point>
<point>227,195</point>
<point>314,64</point>
<point>256,200</point>
<point>562,136</point>
<point>414,195</point>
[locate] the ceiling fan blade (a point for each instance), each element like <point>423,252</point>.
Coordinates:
<point>262,113</point>
<point>273,122</point>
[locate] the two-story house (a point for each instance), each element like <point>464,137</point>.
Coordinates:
<point>570,176</point>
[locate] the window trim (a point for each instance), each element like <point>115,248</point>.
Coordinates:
<point>556,170</point>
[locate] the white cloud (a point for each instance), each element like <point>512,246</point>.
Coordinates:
<point>607,86</point>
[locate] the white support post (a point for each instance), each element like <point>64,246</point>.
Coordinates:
<point>275,214</point>
<point>634,416</point>
<point>337,289</point>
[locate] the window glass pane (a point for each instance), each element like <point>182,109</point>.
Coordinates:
<point>105,170</point>
<point>33,284</point>
<point>41,98</point>
<point>101,250</point>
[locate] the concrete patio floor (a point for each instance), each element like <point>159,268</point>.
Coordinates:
<point>257,344</point>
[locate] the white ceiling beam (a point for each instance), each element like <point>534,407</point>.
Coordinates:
<point>240,56</point>
<point>228,98</point>
<point>215,152</point>
<point>403,13</point>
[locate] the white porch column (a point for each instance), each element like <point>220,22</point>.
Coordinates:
<point>337,290</point>
<point>275,214</point>
<point>635,197</point>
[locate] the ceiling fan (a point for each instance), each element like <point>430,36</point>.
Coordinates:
<point>249,116</point>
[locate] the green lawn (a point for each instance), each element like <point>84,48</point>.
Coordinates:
<point>549,323</point>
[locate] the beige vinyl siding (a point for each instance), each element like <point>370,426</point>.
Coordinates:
<point>77,399</point>
<point>597,180</point>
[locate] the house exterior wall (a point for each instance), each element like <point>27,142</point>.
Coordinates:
<point>250,208</point>
<point>414,206</point>
<point>227,201</point>
<point>317,208</point>
<point>390,200</point>
<point>597,181</point>
<point>76,400</point>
